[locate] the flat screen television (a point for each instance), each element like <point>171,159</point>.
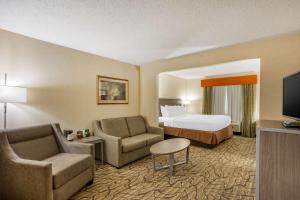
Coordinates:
<point>291,96</point>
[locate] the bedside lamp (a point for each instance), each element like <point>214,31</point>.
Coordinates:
<point>186,102</point>
<point>11,94</point>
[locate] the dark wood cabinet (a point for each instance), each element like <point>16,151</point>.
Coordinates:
<point>278,161</point>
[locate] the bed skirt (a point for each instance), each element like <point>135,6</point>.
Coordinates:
<point>207,137</point>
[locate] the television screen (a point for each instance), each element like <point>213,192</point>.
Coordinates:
<point>291,96</point>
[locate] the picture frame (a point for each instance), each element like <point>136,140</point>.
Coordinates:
<point>112,90</point>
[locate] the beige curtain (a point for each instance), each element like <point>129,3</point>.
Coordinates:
<point>234,102</point>
<point>248,101</point>
<point>219,96</point>
<point>207,101</point>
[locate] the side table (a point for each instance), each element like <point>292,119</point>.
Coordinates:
<point>93,140</point>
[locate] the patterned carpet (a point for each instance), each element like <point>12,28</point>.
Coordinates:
<point>224,172</point>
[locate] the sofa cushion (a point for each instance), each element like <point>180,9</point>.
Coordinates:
<point>136,125</point>
<point>153,138</point>
<point>133,143</point>
<point>66,166</point>
<point>115,126</point>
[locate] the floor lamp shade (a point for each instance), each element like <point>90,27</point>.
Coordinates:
<point>10,94</point>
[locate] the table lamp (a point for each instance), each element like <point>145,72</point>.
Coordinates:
<point>11,94</point>
<point>186,102</point>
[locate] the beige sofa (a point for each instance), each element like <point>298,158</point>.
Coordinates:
<point>126,139</point>
<point>37,163</point>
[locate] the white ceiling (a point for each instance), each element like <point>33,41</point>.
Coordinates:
<point>230,68</point>
<point>142,31</point>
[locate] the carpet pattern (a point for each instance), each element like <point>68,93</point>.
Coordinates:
<point>224,172</point>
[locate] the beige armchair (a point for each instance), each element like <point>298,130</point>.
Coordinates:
<point>38,163</point>
<point>126,139</point>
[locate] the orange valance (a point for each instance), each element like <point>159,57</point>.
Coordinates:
<point>235,80</point>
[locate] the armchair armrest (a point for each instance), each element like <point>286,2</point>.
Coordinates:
<point>156,130</point>
<point>112,145</point>
<point>80,148</point>
<point>31,179</point>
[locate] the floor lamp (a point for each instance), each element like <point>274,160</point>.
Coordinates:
<point>11,94</point>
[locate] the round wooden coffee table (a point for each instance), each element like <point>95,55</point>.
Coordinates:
<point>170,147</point>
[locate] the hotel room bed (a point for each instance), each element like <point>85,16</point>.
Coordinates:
<point>208,129</point>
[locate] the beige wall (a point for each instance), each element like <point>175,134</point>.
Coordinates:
<point>279,57</point>
<point>195,95</point>
<point>171,87</point>
<point>179,88</point>
<point>61,83</point>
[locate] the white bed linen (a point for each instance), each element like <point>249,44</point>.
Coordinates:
<point>198,122</point>
<point>161,119</point>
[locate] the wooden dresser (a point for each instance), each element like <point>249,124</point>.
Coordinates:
<point>277,161</point>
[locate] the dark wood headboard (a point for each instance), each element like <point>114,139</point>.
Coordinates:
<point>169,102</point>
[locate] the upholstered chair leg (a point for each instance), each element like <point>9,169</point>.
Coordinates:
<point>90,182</point>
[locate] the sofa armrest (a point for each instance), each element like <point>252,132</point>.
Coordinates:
<point>31,179</point>
<point>156,130</point>
<point>112,145</point>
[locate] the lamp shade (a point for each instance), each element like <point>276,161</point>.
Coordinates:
<point>11,94</point>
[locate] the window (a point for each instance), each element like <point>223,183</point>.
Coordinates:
<point>227,100</point>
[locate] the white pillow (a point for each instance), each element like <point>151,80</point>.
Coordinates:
<point>181,110</point>
<point>173,111</point>
<point>163,111</point>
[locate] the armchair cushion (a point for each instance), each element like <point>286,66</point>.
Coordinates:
<point>133,143</point>
<point>34,143</point>
<point>115,126</point>
<point>136,125</point>
<point>29,133</point>
<point>37,149</point>
<point>66,166</point>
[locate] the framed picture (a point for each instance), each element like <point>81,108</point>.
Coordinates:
<point>112,90</point>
